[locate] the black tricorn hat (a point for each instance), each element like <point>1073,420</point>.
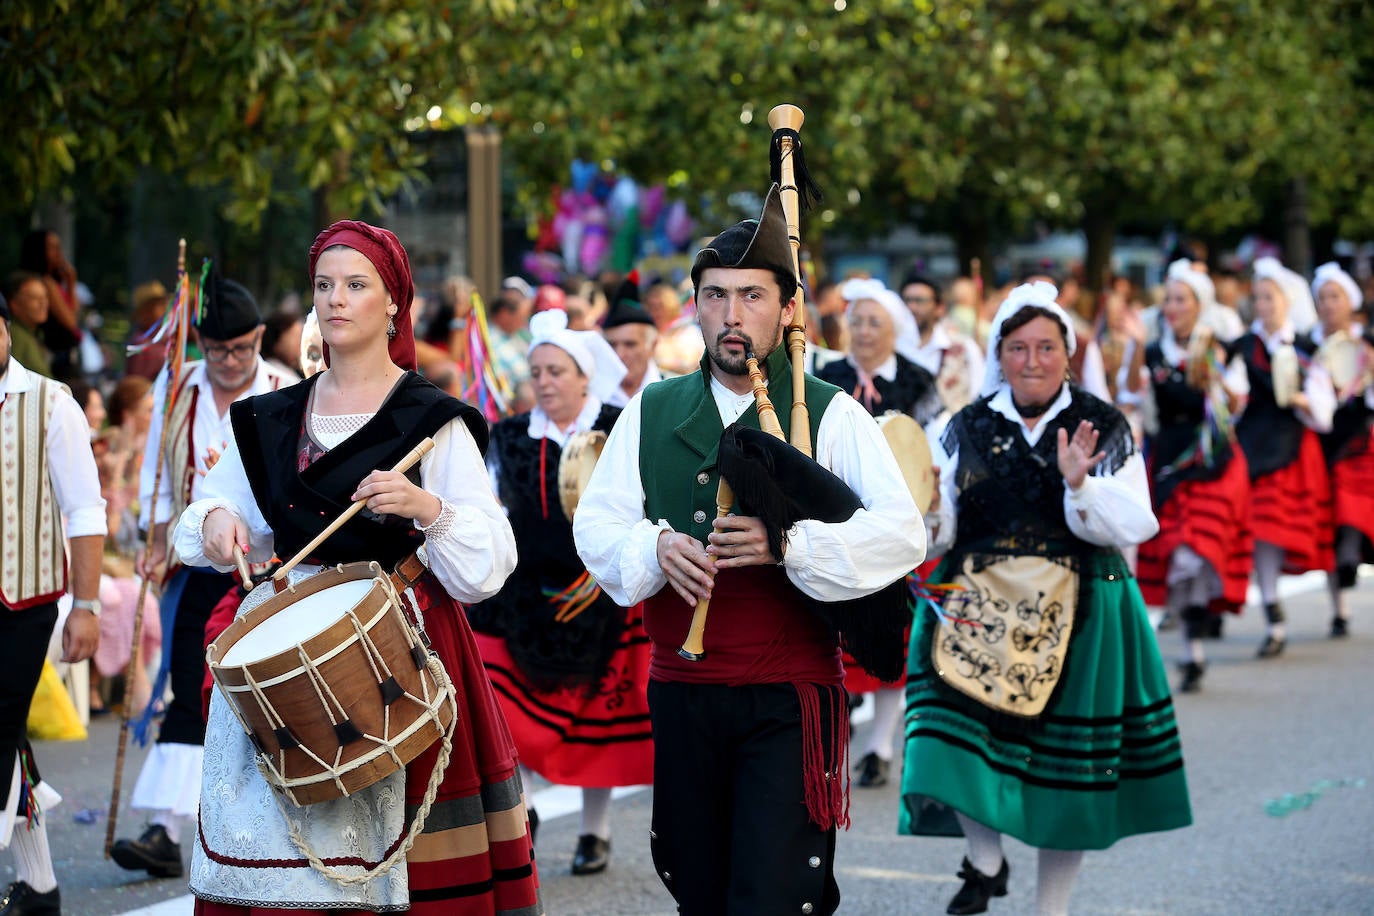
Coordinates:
<point>626,307</point>
<point>751,243</point>
<point>780,486</point>
<point>230,309</point>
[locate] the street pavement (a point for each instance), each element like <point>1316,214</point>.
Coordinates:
<point>1260,730</point>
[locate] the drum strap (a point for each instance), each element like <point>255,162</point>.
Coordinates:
<point>408,572</point>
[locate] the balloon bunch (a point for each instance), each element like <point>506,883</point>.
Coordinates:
<point>604,221</point>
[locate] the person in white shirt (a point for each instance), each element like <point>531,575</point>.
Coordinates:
<point>944,351</point>
<point>1037,704</point>
<point>632,334</point>
<point>48,474</point>
<point>230,337</point>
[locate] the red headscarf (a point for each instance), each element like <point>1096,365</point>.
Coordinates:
<point>383,249</point>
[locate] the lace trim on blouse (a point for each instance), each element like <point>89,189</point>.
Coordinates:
<point>330,430</point>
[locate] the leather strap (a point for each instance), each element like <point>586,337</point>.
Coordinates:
<point>408,572</point>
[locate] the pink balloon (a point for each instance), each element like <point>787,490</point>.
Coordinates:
<point>650,204</point>
<point>679,225</point>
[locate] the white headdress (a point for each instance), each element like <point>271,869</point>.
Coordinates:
<point>589,350</point>
<point>1331,272</point>
<point>1039,294</point>
<point>907,338</point>
<point>1302,312</point>
<point>1201,284</point>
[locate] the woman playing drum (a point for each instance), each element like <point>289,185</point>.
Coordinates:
<point>1291,400</point>
<point>1037,704</point>
<point>1344,350</point>
<point>880,373</point>
<point>1199,563</point>
<point>300,456</point>
<point>570,666</point>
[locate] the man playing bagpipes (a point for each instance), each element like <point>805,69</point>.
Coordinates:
<point>751,726</point>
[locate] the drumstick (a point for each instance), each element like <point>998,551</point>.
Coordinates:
<point>244,572</point>
<point>402,466</point>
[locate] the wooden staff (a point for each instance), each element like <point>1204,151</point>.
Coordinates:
<point>135,652</point>
<point>405,464</point>
<point>693,647</point>
<point>790,117</point>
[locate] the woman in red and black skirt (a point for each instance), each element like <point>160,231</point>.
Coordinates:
<point>1344,350</point>
<point>570,666</point>
<point>1199,563</point>
<point>1291,400</point>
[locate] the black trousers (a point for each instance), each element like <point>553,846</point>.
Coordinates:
<point>731,835</point>
<point>185,721</point>
<point>24,639</point>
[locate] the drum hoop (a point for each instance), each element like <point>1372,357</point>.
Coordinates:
<point>315,660</point>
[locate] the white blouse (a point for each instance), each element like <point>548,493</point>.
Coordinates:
<point>881,542</point>
<point>1108,510</point>
<point>470,547</point>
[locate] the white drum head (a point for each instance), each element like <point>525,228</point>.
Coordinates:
<point>297,622</point>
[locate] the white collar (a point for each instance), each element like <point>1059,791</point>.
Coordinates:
<point>18,379</point>
<point>729,404</point>
<point>1284,335</point>
<point>887,369</point>
<point>541,427</point>
<point>1318,335</point>
<point>939,338</point>
<point>1003,404</point>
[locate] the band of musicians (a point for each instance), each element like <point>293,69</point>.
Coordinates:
<point>389,612</point>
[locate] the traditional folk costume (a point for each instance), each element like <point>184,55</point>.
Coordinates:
<point>168,785</point>
<point>287,474</point>
<point>749,741</point>
<point>1037,705</point>
<point>569,665</point>
<point>1289,484</point>
<point>903,385</point>
<point>1199,563</point>
<point>47,472</point>
<point>1349,446</point>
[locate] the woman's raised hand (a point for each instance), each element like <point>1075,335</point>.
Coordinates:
<point>1076,458</point>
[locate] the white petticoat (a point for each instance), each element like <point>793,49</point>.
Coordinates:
<point>170,779</point>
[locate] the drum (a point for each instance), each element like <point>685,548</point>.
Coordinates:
<point>908,443</point>
<point>575,467</point>
<point>1344,357</point>
<point>332,683</point>
<point>1287,374</point>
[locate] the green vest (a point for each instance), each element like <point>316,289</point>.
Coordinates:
<point>26,348</point>
<point>680,436</point>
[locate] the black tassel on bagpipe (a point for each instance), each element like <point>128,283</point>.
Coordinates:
<point>808,192</point>
<point>780,486</point>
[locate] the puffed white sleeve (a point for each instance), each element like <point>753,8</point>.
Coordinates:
<point>1321,400</point>
<point>225,487</point>
<point>618,545</point>
<point>1112,510</point>
<point>882,541</point>
<point>155,511</point>
<point>72,469</point>
<point>470,545</point>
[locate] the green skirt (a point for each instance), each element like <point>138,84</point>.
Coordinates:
<point>1103,762</point>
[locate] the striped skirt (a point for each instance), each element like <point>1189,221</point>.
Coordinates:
<point>1103,762</point>
<point>581,737</point>
<point>1213,518</point>
<point>1291,508</point>
<point>1352,480</point>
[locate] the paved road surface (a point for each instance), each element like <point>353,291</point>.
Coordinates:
<point>1260,730</point>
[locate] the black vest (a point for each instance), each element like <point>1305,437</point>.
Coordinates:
<point>299,503</point>
<point>1269,435</point>
<point>1182,410</point>
<point>912,391</point>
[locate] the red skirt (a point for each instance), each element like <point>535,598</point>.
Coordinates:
<point>458,867</point>
<point>1352,480</point>
<point>579,737</point>
<point>857,680</point>
<point>1292,510</point>
<point>1213,518</point>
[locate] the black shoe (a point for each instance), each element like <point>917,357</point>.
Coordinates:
<point>154,852</point>
<point>1214,623</point>
<point>978,889</point>
<point>22,900</point>
<point>872,771</point>
<point>592,856</point>
<point>1192,677</point>
<point>534,823</point>
<point>1340,628</point>
<point>1271,647</point>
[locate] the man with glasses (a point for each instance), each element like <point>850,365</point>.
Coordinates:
<point>946,353</point>
<point>229,334</point>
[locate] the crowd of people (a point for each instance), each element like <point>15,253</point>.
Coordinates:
<point>1109,466</point>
